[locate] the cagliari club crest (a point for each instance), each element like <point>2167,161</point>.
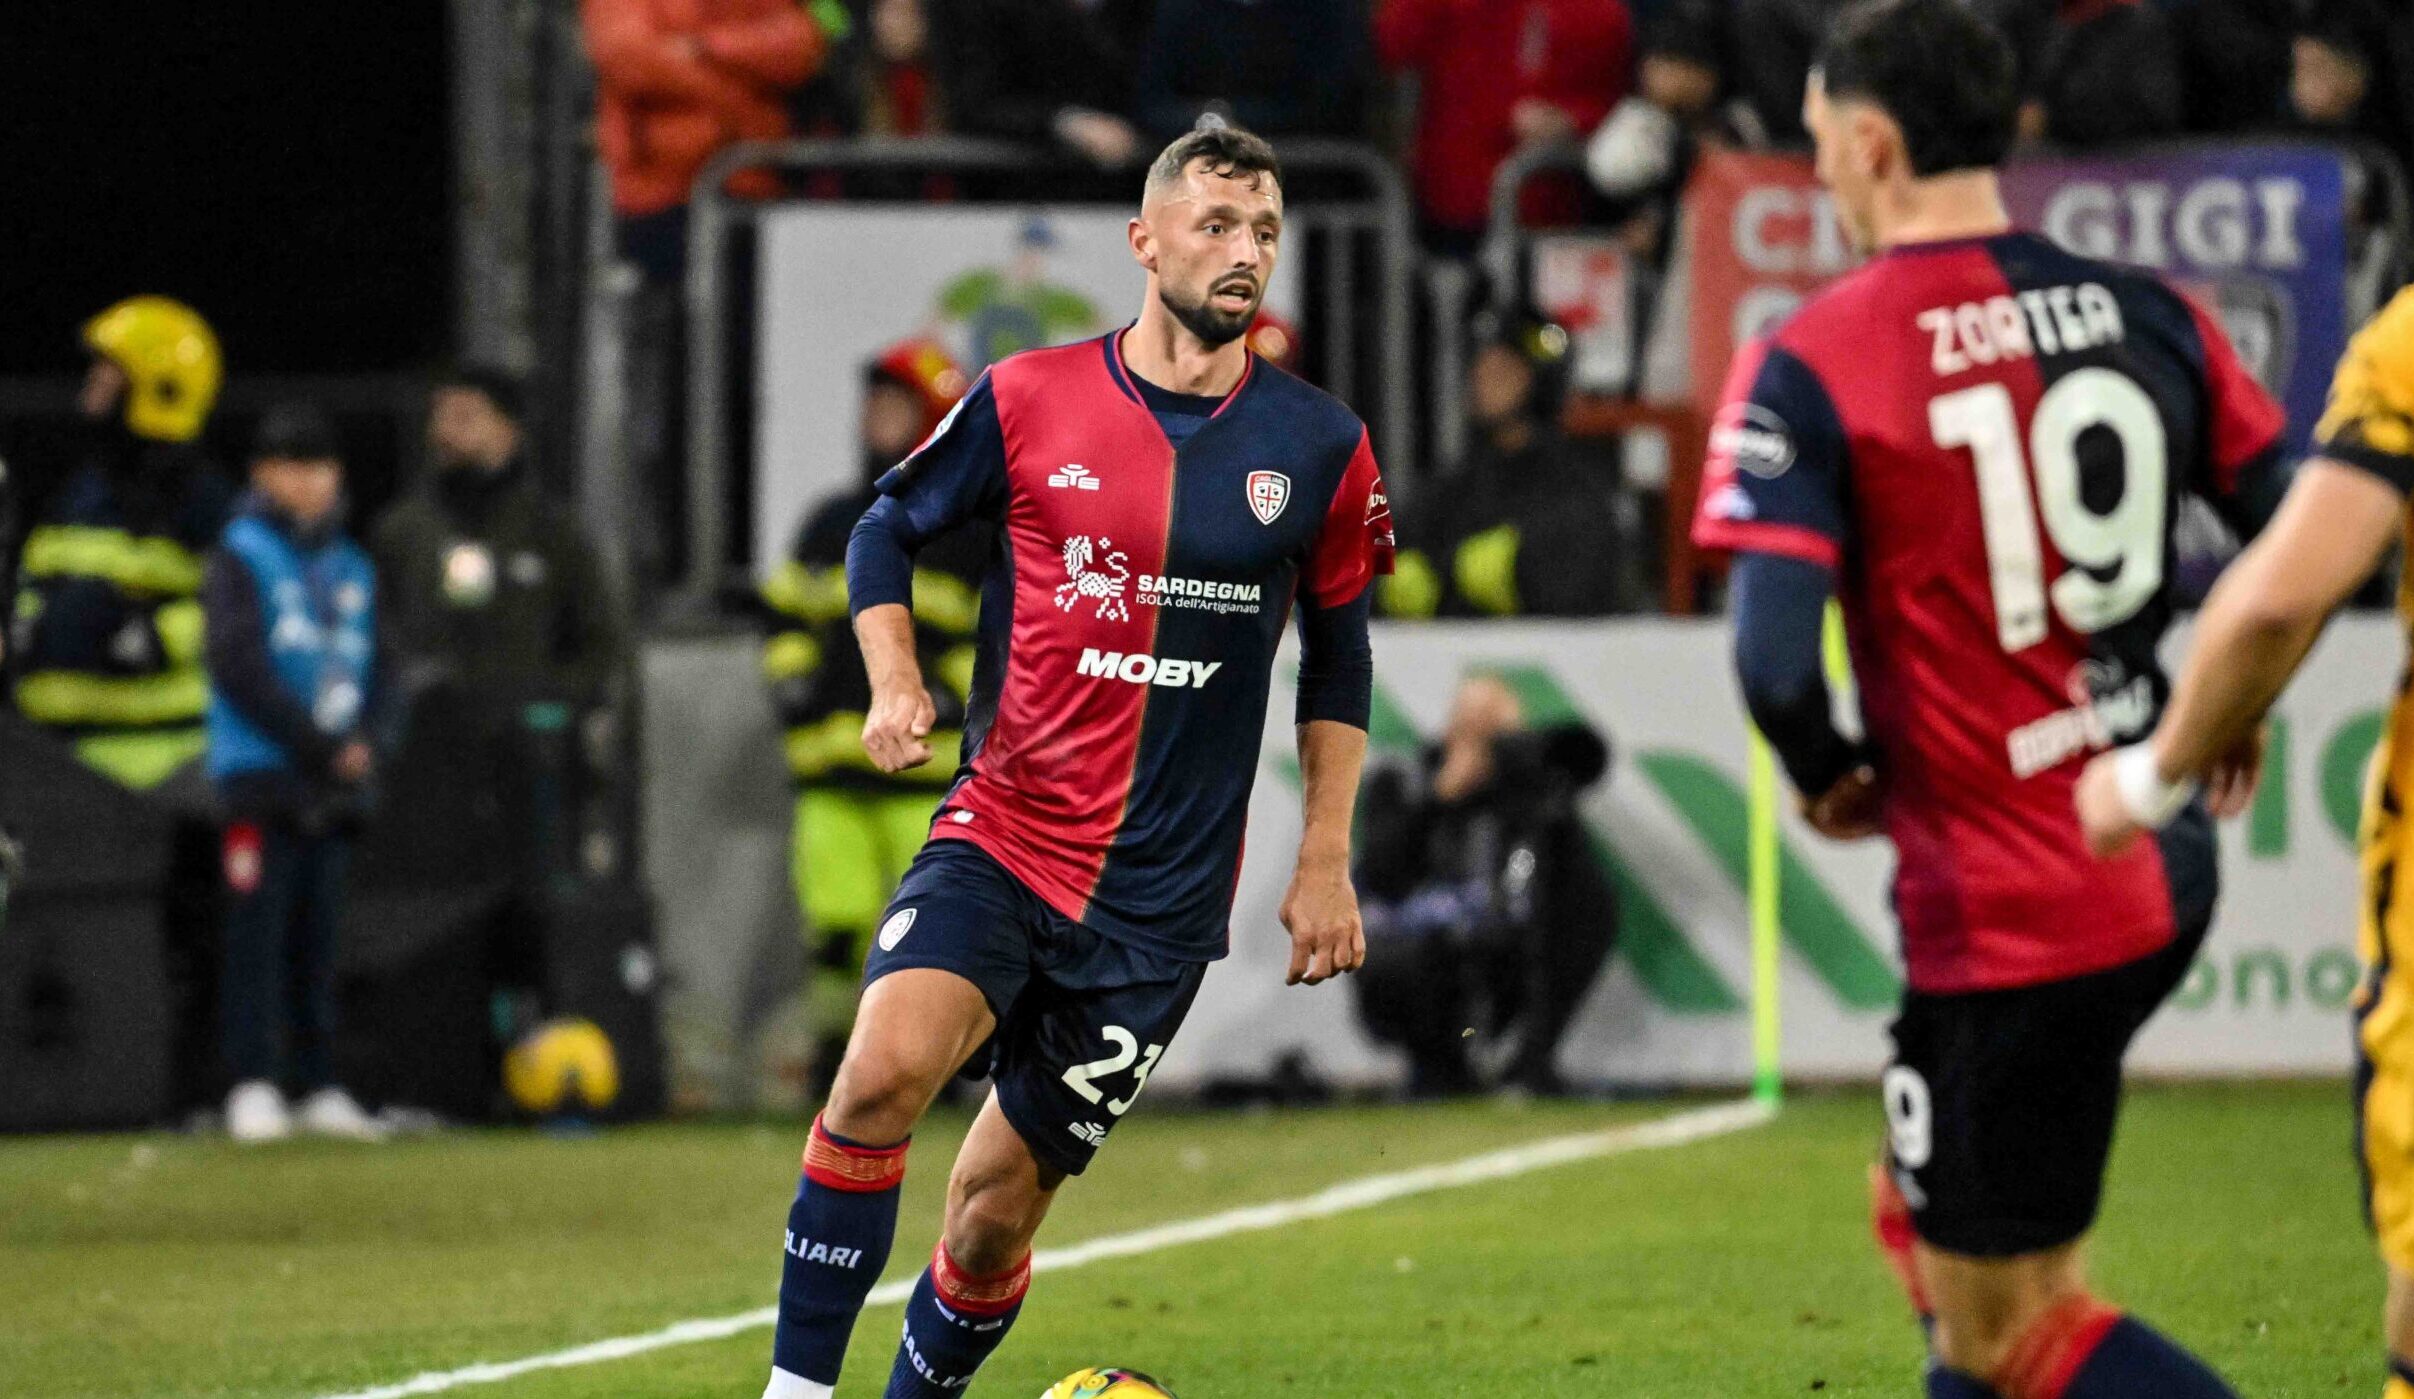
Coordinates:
<point>1269,492</point>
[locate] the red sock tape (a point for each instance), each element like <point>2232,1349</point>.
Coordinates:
<point>858,1170</point>
<point>981,1296</point>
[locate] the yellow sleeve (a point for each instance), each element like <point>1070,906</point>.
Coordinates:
<point>2369,420</point>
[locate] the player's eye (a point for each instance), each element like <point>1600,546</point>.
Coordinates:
<point>1215,230</point>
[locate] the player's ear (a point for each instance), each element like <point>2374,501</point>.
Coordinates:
<point>1873,143</point>
<point>1144,243</point>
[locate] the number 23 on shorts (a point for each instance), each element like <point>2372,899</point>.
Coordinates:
<point>1082,1078</point>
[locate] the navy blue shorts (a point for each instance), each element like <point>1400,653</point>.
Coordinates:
<point>1081,1019</point>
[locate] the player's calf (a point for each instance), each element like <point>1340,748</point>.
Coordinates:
<point>969,1296</point>
<point>915,1029</point>
<point>2031,1329</point>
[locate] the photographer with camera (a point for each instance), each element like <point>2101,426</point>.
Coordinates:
<point>1487,918</point>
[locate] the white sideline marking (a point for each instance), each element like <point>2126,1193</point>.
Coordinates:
<point>1676,1129</point>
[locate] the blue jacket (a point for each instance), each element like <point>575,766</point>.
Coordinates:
<point>292,647</point>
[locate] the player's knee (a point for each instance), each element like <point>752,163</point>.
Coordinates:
<point>879,1096</point>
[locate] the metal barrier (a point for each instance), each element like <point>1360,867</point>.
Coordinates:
<point>1384,215</point>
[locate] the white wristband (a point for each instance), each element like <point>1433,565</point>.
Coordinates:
<point>2152,802</point>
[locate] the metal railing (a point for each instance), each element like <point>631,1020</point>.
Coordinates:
<point>1383,213</point>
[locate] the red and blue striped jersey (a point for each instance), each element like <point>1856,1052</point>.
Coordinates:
<point>1989,440</point>
<point>1130,619</point>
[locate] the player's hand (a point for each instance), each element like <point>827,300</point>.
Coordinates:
<point>896,732</point>
<point>1540,123</point>
<point>1849,810</point>
<point>1107,140</point>
<point>2104,815</point>
<point>2229,785</point>
<point>1321,910</point>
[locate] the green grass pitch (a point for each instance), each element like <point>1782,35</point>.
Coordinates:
<point>154,1266</point>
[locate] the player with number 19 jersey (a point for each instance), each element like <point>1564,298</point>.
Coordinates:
<point>1988,440</point>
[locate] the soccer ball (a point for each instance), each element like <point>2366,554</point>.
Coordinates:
<point>561,1065</point>
<point>1111,1382</point>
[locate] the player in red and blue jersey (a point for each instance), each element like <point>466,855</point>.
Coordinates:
<point>1980,443</point>
<point>1164,504</point>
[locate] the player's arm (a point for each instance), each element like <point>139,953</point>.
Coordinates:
<point>2270,606</point>
<point>1336,698</point>
<point>1773,495</point>
<point>1780,609</point>
<point>959,473</point>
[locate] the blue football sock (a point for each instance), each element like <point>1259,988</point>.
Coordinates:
<point>2084,1349</point>
<point>1953,1384</point>
<point>952,1324</point>
<point>2133,1359</point>
<point>839,1233</point>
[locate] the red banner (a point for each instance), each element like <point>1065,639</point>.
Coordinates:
<point>1761,236</point>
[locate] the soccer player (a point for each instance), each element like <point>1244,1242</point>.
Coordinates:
<point>1164,500</point>
<point>2347,505</point>
<point>1979,443</point>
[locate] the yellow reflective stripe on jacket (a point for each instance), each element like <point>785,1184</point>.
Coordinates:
<point>181,628</point>
<point>945,601</point>
<point>834,742</point>
<point>812,594</point>
<point>144,758</point>
<point>1412,589</point>
<point>1485,570</point>
<point>76,698</point>
<point>131,563</point>
<point>955,669</point>
<point>789,655</point>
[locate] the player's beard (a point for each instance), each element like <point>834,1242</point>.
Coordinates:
<point>1214,326</point>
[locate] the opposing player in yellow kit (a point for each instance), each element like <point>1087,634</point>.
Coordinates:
<point>2347,505</point>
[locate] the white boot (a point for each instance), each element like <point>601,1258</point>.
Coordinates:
<point>331,1112</point>
<point>256,1112</point>
<point>786,1386</point>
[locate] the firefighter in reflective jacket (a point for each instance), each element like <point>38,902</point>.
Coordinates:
<point>106,631</point>
<point>856,827</point>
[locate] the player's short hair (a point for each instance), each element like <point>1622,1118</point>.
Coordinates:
<point>1944,74</point>
<point>1229,150</point>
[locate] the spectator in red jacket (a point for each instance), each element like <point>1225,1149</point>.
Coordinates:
<point>1498,77</point>
<point>678,80</point>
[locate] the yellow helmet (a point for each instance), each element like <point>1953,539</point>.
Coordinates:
<point>171,362</point>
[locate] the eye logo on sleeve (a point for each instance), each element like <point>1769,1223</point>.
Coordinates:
<point>1269,492</point>
<point>894,930</point>
<point>1755,439</point>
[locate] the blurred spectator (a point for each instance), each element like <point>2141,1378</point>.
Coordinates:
<point>2352,73</point>
<point>1522,526</point>
<point>1641,149</point>
<point>1043,70</point>
<point>2233,59</point>
<point>857,827</point>
<point>900,95</point>
<point>1487,918</point>
<point>294,675</point>
<point>108,617</point>
<point>678,80</point>
<point>2093,73</point>
<point>1288,69</point>
<point>1772,45</point>
<point>1499,77</point>
<point>877,80</point>
<point>489,587</point>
